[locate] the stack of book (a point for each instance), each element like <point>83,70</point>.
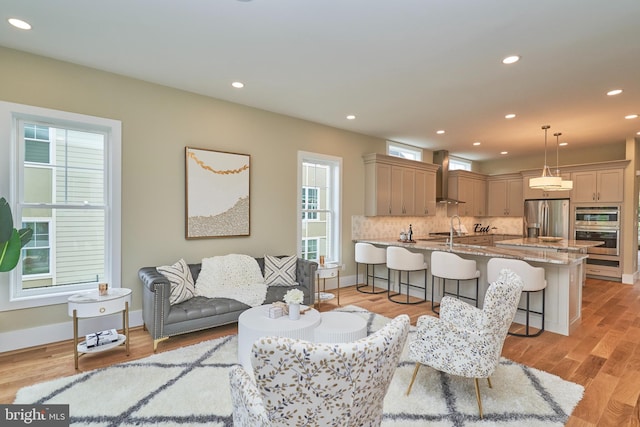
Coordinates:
<point>101,338</point>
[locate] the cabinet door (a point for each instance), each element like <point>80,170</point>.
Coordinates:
<point>396,190</point>
<point>479,198</point>
<point>584,186</point>
<point>383,189</point>
<point>515,201</point>
<point>408,191</point>
<point>610,186</point>
<point>496,203</point>
<point>430,193</point>
<point>425,193</point>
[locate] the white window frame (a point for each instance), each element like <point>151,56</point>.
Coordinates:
<point>52,260</point>
<point>407,151</point>
<point>336,183</point>
<point>304,248</point>
<point>306,205</point>
<point>458,163</point>
<point>13,296</point>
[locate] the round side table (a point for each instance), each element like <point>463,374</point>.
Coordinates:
<point>92,304</point>
<point>324,272</point>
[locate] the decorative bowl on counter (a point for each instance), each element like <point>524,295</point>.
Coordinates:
<point>549,238</point>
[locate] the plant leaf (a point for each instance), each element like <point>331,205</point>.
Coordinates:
<point>10,252</point>
<point>6,221</point>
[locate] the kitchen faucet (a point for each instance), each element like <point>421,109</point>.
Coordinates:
<point>451,231</point>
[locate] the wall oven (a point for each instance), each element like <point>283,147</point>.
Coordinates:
<point>599,224</point>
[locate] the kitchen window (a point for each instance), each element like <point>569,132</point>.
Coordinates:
<point>319,183</point>
<point>66,187</point>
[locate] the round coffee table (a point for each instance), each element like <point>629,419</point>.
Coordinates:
<point>337,327</point>
<point>256,323</point>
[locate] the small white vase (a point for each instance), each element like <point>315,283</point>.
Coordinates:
<point>294,311</point>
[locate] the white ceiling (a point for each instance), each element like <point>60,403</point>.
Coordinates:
<point>405,68</point>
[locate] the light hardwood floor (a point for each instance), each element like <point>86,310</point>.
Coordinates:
<point>603,354</point>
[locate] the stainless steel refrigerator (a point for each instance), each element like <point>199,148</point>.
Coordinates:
<point>546,218</point>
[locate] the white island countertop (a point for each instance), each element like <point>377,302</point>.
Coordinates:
<point>525,254</point>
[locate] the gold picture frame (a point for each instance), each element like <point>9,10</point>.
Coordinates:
<point>217,193</point>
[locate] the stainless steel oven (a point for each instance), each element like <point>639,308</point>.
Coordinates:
<point>599,224</point>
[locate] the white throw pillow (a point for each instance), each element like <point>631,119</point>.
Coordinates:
<point>280,271</point>
<point>179,275</point>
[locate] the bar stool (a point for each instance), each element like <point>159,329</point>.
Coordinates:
<point>534,281</point>
<point>403,260</point>
<point>449,266</point>
<point>369,255</point>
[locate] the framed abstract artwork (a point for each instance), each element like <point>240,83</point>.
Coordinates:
<point>217,193</point>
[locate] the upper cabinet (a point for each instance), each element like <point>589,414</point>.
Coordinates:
<point>504,195</point>
<point>470,188</point>
<point>397,187</point>
<point>598,186</point>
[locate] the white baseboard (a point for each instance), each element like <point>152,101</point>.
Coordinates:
<point>47,334</point>
<point>630,279</point>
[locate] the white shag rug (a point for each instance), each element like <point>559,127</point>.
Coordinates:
<point>190,387</point>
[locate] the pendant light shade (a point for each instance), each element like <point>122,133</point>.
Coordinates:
<point>546,182</point>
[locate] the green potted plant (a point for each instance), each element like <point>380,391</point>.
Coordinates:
<point>11,240</point>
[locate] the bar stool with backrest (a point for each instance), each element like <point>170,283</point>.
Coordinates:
<point>534,281</point>
<point>401,259</point>
<point>370,255</point>
<point>449,266</point>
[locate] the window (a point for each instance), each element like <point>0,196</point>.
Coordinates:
<point>310,249</point>
<point>309,203</point>
<point>66,188</point>
<point>403,150</point>
<point>319,181</point>
<point>457,163</point>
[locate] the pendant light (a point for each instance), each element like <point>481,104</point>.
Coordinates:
<point>565,184</point>
<point>546,182</point>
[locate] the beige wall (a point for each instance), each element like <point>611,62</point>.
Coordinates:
<point>157,124</point>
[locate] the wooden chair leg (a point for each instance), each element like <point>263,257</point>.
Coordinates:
<point>478,398</point>
<point>413,378</point>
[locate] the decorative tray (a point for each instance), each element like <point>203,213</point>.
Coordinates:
<point>549,238</point>
<point>82,347</point>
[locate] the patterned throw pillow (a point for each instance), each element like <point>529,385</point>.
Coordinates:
<point>280,271</point>
<point>179,275</point>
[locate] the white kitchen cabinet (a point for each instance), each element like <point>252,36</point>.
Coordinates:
<point>504,196</point>
<point>470,188</point>
<point>398,187</point>
<point>425,193</point>
<point>598,186</point>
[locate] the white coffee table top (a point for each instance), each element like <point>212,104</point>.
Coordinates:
<point>340,327</point>
<point>257,319</point>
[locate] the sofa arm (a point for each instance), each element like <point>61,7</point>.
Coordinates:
<point>156,292</point>
<point>306,278</point>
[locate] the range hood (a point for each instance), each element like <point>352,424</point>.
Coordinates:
<point>441,158</point>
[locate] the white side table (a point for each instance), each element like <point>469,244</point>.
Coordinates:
<point>92,304</point>
<point>328,271</point>
<point>256,323</point>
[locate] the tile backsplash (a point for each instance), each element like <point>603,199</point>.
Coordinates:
<point>383,227</point>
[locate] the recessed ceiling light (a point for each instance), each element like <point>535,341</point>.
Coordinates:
<point>351,117</point>
<point>237,85</point>
<point>614,92</point>
<point>477,143</point>
<point>19,23</point>
<point>504,152</point>
<point>509,116</point>
<point>440,132</point>
<point>562,144</point>
<point>637,133</point>
<point>631,116</point>
<point>511,59</point>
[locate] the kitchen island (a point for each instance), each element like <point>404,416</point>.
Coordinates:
<point>562,245</point>
<point>564,272</point>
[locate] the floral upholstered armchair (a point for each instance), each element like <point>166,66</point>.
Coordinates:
<point>303,383</point>
<point>465,340</point>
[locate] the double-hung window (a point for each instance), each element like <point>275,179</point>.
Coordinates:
<point>319,198</point>
<point>66,188</point>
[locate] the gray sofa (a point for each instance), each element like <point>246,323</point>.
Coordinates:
<point>163,320</point>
